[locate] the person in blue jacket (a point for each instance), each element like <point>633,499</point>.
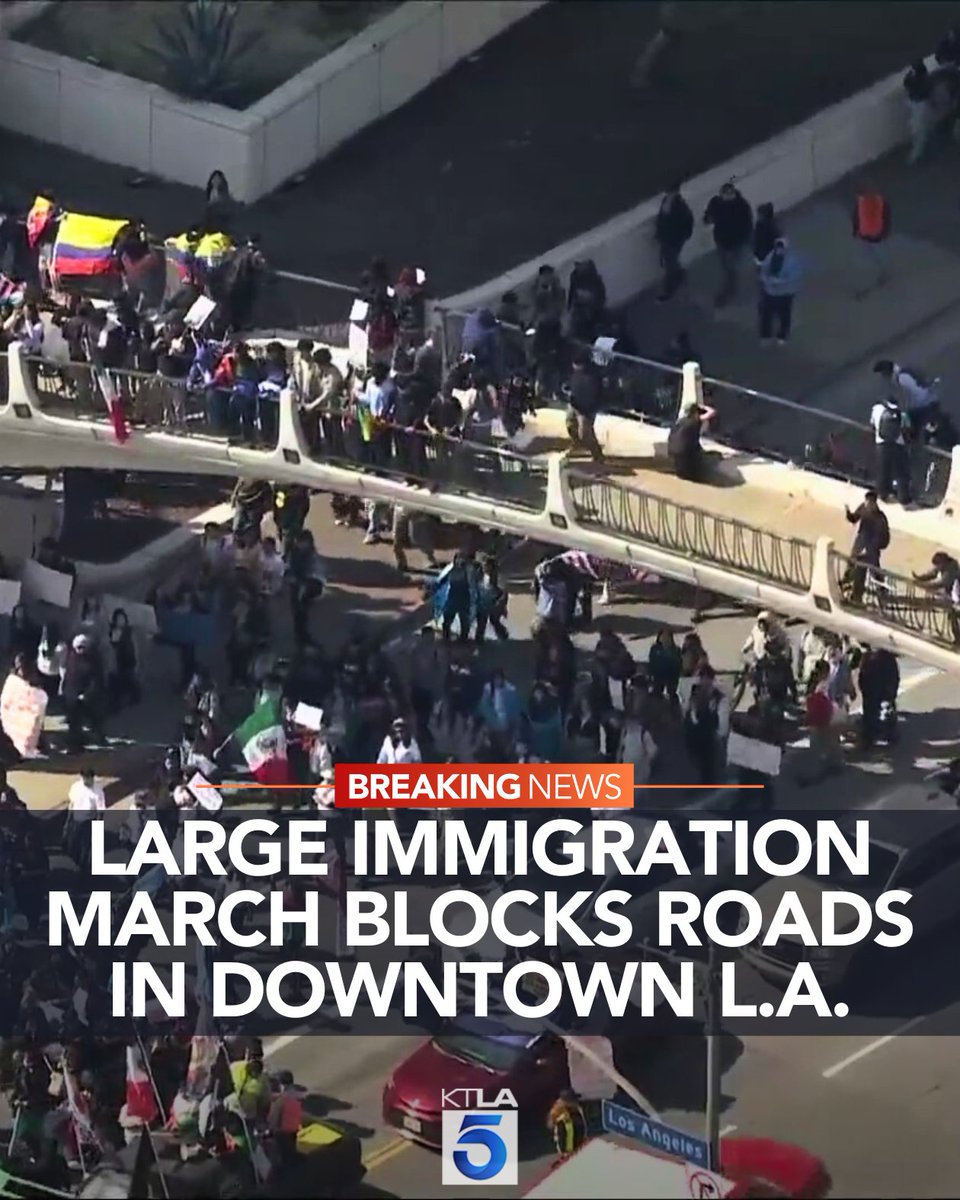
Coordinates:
<point>455,597</point>
<point>780,274</point>
<point>500,707</point>
<point>544,724</point>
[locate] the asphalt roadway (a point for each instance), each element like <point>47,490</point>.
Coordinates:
<point>878,1109</point>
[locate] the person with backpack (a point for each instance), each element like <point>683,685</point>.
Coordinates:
<point>916,393</point>
<point>871,539</point>
<point>890,425</point>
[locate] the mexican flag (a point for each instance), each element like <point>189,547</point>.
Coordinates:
<point>141,1103</point>
<point>264,744</point>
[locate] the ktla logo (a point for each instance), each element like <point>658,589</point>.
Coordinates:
<point>479,1137</point>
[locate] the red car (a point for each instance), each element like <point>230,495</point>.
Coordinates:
<point>473,1055</point>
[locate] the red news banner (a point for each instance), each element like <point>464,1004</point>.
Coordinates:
<point>506,785</point>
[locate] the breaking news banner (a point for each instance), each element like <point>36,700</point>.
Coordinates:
<point>529,896</point>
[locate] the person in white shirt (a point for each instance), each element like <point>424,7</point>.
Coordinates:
<point>85,800</point>
<point>399,746</point>
<point>890,424</point>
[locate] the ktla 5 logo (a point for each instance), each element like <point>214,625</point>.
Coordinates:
<point>479,1137</point>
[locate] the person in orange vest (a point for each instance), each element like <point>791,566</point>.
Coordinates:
<point>871,228</point>
<point>285,1117</point>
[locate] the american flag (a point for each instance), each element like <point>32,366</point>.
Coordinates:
<point>602,570</point>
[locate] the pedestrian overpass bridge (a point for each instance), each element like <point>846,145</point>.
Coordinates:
<point>766,533</point>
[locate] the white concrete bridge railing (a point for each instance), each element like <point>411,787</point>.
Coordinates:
<point>540,496</point>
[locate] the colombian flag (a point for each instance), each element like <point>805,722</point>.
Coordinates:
<point>85,245</point>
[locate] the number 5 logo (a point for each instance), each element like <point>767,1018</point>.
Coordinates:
<point>480,1148</point>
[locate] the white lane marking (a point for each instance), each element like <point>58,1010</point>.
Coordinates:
<point>727,1129</point>
<point>924,675</point>
<point>869,1048</point>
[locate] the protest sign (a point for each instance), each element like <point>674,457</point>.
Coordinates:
<point>22,709</point>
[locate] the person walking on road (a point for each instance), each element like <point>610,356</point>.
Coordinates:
<point>871,228</point>
<point>780,274</point>
<point>731,218</point>
<point>890,424</point>
<point>871,539</point>
<point>672,231</point>
<point>916,85</point>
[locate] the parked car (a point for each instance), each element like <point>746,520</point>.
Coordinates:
<point>473,1054</point>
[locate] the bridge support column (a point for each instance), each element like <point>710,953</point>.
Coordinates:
<point>950,505</point>
<point>824,588</point>
<point>22,397</point>
<point>291,441</point>
<point>559,508</point>
<point>691,391</point>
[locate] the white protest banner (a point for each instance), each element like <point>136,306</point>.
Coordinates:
<point>9,595</point>
<point>43,583</point>
<point>307,717</point>
<point>22,709</point>
<point>207,795</point>
<point>754,755</point>
<point>140,616</point>
<point>358,345</point>
<point>199,312</point>
<point>593,1075</point>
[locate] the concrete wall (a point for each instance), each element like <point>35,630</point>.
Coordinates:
<point>142,126</point>
<point>784,170</point>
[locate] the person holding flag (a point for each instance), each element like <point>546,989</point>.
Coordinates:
<point>263,741</point>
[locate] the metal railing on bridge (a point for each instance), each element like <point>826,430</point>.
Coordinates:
<point>897,602</point>
<point>721,541</point>
<point>160,404</point>
<point>303,304</point>
<point>748,420</point>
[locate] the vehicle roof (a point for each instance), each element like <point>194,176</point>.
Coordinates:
<point>493,1031</point>
<point>909,816</point>
<point>627,1174</point>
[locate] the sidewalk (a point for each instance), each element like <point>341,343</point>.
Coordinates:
<point>533,141</point>
<point>835,334</point>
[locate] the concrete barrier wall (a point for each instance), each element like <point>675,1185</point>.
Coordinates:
<point>784,170</point>
<point>144,127</point>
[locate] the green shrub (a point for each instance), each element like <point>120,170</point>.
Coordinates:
<point>202,55</point>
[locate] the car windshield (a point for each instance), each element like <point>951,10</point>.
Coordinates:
<point>883,862</point>
<point>496,1054</point>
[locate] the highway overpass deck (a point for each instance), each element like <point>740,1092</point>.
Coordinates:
<point>765,533</point>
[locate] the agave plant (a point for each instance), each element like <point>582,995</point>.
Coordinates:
<point>202,55</point>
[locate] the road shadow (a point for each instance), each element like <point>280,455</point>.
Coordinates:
<point>676,1076</point>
